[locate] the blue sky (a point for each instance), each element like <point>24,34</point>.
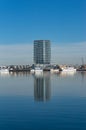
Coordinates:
<point>61,21</point>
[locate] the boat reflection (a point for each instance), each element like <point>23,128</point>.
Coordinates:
<point>16,74</point>
<point>65,74</point>
<point>42,87</point>
<point>4,74</point>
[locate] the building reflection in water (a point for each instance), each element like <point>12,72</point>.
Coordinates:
<point>42,87</point>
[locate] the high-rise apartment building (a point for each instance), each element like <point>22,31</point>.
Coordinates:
<point>42,51</point>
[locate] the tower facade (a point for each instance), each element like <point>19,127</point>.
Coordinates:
<point>42,51</point>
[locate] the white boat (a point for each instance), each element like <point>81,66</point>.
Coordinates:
<point>38,70</point>
<point>69,69</point>
<point>54,70</point>
<point>32,71</point>
<point>4,70</point>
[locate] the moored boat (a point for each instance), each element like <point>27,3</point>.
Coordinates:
<point>54,70</point>
<point>4,70</point>
<point>38,70</point>
<point>69,69</point>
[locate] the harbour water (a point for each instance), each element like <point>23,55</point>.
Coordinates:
<point>46,101</point>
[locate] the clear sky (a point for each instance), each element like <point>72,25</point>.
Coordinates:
<point>22,21</point>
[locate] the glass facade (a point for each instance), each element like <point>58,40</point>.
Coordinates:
<point>42,51</point>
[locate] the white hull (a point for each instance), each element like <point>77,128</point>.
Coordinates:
<point>38,70</point>
<point>70,69</point>
<point>32,71</point>
<point>54,70</point>
<point>4,71</point>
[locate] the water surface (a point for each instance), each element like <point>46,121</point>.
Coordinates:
<point>48,101</point>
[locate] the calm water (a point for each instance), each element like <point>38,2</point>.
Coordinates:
<point>48,101</point>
